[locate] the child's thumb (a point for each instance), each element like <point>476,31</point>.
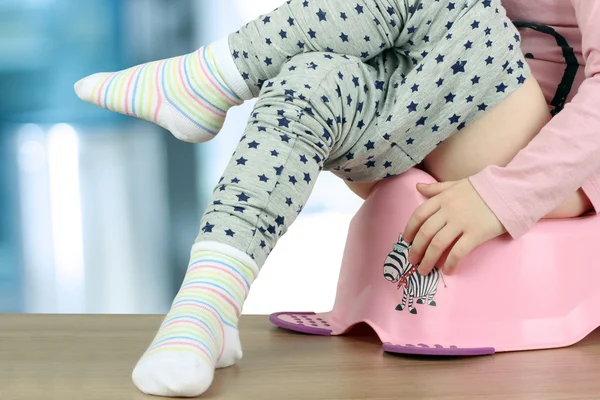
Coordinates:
<point>433,189</point>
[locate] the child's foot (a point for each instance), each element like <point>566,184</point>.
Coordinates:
<point>200,331</point>
<point>187,95</point>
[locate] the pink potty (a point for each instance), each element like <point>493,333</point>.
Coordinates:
<point>540,291</point>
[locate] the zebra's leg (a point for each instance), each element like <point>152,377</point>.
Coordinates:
<point>431,301</point>
<point>411,307</point>
<point>401,306</point>
<point>431,295</point>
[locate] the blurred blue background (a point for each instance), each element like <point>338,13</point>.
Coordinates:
<point>98,211</point>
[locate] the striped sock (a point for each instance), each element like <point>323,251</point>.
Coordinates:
<point>200,331</point>
<point>188,95</point>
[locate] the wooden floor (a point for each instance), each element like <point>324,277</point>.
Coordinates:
<point>91,357</point>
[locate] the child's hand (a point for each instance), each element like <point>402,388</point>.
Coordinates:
<point>455,218</point>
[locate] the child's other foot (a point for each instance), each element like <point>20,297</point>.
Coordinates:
<point>188,95</point>
<point>185,366</point>
<point>200,331</point>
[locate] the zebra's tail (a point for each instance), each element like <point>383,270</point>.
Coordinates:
<point>443,281</point>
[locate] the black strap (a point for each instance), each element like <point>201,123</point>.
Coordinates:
<point>572,65</point>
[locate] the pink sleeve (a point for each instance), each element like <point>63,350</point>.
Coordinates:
<point>563,157</point>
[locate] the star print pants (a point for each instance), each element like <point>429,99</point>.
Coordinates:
<point>363,88</point>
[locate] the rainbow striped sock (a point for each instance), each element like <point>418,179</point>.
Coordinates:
<point>188,95</point>
<point>200,331</point>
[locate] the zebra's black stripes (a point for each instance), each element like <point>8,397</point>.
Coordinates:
<point>397,269</point>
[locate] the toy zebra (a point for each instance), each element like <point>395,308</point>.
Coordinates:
<point>398,270</point>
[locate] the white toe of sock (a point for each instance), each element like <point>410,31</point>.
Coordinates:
<point>84,87</point>
<point>173,375</point>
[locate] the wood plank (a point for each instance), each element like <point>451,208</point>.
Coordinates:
<point>91,357</point>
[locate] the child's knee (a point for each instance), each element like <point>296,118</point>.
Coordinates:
<point>311,93</point>
<point>307,73</point>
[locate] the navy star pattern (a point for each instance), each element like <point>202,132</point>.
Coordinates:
<point>443,73</point>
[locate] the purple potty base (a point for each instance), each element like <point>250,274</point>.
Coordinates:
<point>437,350</point>
<point>317,324</point>
<point>303,322</point>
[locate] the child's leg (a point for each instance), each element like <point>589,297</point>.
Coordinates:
<point>305,116</point>
<point>190,95</point>
<point>576,205</point>
<point>492,139</point>
<point>361,28</point>
<point>495,139</point>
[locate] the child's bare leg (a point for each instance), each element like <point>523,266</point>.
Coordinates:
<point>495,138</point>
<point>576,205</point>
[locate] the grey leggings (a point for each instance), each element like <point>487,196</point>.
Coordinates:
<point>363,88</point>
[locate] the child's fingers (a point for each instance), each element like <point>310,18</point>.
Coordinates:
<point>459,251</point>
<point>439,244</point>
<point>418,218</point>
<point>427,232</point>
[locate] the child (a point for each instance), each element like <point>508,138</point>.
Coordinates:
<point>364,88</point>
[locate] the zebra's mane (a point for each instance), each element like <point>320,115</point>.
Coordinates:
<point>401,246</point>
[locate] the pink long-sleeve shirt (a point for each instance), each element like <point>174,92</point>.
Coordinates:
<point>565,155</point>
